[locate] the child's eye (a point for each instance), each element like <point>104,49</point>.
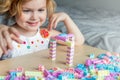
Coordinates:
<point>41,10</point>
<point>26,10</point>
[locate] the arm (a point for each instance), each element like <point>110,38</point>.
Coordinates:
<point>70,26</point>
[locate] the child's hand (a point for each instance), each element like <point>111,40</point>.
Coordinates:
<point>71,27</point>
<point>56,18</point>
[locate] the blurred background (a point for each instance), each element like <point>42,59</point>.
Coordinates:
<point>104,4</point>
<point>98,20</point>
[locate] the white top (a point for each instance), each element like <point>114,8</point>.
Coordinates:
<point>30,45</point>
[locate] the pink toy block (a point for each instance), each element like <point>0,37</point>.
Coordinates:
<point>69,40</point>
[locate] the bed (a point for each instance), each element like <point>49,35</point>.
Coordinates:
<point>100,27</point>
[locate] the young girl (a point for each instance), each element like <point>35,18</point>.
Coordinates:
<point>30,16</point>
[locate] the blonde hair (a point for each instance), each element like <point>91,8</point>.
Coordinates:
<point>14,7</point>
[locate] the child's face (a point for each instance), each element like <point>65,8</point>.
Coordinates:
<point>33,15</point>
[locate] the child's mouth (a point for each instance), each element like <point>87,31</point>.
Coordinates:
<point>33,23</point>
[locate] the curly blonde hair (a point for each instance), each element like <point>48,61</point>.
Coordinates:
<point>14,7</point>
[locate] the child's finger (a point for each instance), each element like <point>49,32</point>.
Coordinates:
<point>55,23</point>
<point>51,23</point>
<point>49,27</point>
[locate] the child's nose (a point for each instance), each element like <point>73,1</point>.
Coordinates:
<point>34,16</point>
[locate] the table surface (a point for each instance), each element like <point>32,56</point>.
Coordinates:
<point>32,61</point>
